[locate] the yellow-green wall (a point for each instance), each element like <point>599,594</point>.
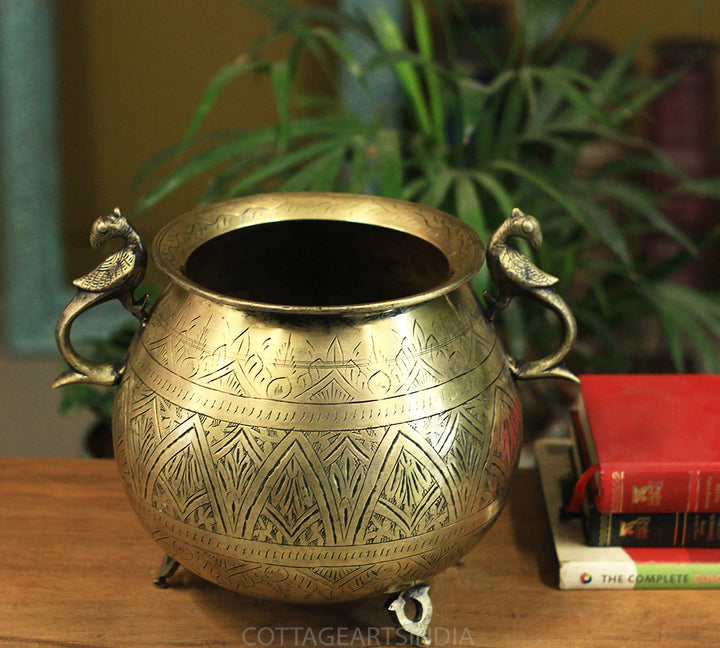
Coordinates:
<point>131,75</point>
<point>615,22</point>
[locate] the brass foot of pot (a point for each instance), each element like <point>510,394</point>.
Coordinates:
<point>417,624</point>
<point>168,567</point>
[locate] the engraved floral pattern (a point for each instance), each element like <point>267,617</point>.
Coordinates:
<point>306,463</point>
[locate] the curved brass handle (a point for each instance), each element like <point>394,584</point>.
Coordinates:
<point>115,278</point>
<point>514,274</point>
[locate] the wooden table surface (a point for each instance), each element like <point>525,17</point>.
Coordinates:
<point>76,570</point>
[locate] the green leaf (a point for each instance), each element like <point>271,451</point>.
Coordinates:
<point>511,115</point>
<point>577,132</point>
<point>390,164</point>
<point>273,9</point>
<point>339,47</point>
<point>706,187</point>
<point>557,143</point>
<point>627,165</point>
<point>561,82</point>
<point>602,224</point>
<point>705,308</point>
<point>438,189</point>
<point>284,163</point>
<point>457,24</point>
<point>391,39</point>
<point>358,172</point>
<point>545,105</point>
<point>172,153</point>
<point>78,398</point>
<point>319,175</point>
<point>652,90</point>
<point>616,71</point>
<point>564,34</point>
<point>423,38</point>
<point>675,341</point>
<point>689,314</point>
<point>473,100</point>
<point>315,29</point>
<point>515,325</point>
<point>203,162</point>
<point>590,325</point>
<point>486,130</point>
<point>541,183</point>
<point>500,195</point>
<point>414,188</point>
<point>222,179</point>
<point>281,83</point>
<point>468,205</point>
<point>644,204</point>
<point>601,296</point>
<point>247,144</point>
<point>539,20</point>
<point>706,346</point>
<point>217,84</point>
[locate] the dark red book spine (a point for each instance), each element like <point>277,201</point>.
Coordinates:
<point>648,489</point>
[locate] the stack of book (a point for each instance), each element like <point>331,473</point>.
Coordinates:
<point>634,494</point>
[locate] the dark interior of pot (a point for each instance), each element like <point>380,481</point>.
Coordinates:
<point>317,263</point>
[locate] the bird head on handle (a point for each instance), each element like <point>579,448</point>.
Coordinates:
<point>108,226</point>
<point>525,226</point>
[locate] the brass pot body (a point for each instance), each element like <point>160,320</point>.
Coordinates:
<point>305,459</point>
<point>314,452</point>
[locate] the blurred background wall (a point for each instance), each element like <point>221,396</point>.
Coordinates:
<point>130,75</point>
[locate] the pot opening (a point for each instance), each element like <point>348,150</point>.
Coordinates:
<point>317,263</point>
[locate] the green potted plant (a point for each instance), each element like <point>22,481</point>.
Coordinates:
<point>477,148</point>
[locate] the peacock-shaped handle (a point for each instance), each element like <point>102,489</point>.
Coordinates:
<point>115,278</point>
<point>514,274</point>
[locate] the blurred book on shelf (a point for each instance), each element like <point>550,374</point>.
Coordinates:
<point>581,566</point>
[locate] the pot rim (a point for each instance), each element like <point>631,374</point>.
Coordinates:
<point>459,244</point>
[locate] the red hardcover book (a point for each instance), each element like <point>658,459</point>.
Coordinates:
<point>584,567</point>
<point>650,443</point>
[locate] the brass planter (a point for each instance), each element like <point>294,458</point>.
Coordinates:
<point>317,407</point>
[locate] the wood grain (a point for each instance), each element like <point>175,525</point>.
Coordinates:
<point>76,571</point>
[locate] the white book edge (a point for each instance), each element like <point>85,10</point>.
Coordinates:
<point>581,567</point>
